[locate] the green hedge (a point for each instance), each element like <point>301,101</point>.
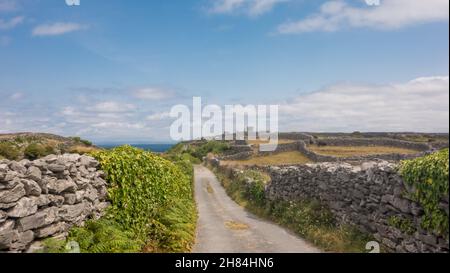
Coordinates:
<point>152,206</point>
<point>429,178</point>
<point>142,185</point>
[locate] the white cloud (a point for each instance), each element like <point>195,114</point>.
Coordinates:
<point>153,93</point>
<point>158,116</point>
<point>111,107</point>
<point>56,29</point>
<point>418,105</point>
<point>11,23</point>
<point>390,14</point>
<point>118,125</point>
<point>249,7</point>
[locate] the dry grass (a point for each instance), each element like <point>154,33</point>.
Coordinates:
<point>348,151</point>
<point>79,149</point>
<point>276,159</point>
<point>209,189</point>
<point>236,225</point>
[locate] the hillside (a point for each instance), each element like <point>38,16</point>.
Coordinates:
<point>35,145</point>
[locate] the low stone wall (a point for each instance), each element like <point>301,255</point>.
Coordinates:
<point>284,147</point>
<point>374,142</point>
<point>367,196</point>
<point>46,197</point>
<point>303,148</point>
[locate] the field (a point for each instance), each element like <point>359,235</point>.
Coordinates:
<point>348,151</point>
<point>277,159</point>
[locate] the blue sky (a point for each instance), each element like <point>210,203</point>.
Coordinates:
<point>111,70</point>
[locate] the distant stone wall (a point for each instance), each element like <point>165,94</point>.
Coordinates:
<point>46,197</point>
<point>296,136</point>
<point>303,148</point>
<point>367,196</point>
<point>241,152</point>
<point>374,142</point>
<point>284,147</point>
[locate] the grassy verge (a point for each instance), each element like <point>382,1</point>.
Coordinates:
<point>293,157</point>
<point>152,206</point>
<point>308,219</point>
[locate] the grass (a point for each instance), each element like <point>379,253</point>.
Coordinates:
<point>348,151</point>
<point>232,225</point>
<point>80,149</point>
<point>293,157</point>
<point>307,218</point>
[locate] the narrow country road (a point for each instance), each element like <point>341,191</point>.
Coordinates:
<point>225,227</point>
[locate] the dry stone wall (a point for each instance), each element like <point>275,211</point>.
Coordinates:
<point>46,197</point>
<point>368,196</point>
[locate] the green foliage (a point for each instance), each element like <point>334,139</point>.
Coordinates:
<point>253,185</point>
<point>36,150</point>
<point>215,147</point>
<point>174,230</point>
<point>80,140</point>
<point>102,236</point>
<point>152,206</point>
<point>428,176</point>
<point>9,151</point>
<point>142,185</point>
<point>52,245</point>
<point>403,224</point>
<point>105,236</point>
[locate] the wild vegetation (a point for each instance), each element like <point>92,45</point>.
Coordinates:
<point>276,159</point>
<point>152,206</point>
<point>428,176</point>
<point>307,218</point>
<point>199,150</point>
<point>32,145</point>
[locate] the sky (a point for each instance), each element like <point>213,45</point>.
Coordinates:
<point>111,70</point>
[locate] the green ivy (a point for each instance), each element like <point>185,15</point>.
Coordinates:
<point>141,186</point>
<point>428,176</point>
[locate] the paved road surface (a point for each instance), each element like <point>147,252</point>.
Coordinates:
<point>225,227</point>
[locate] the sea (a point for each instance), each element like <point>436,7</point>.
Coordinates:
<point>157,148</point>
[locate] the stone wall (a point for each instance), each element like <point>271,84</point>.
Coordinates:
<point>367,196</point>
<point>374,142</point>
<point>46,197</point>
<point>303,148</point>
<point>284,147</point>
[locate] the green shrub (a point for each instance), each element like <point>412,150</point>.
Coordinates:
<point>36,150</point>
<point>216,147</point>
<point>429,177</point>
<point>80,140</point>
<point>9,151</point>
<point>142,186</point>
